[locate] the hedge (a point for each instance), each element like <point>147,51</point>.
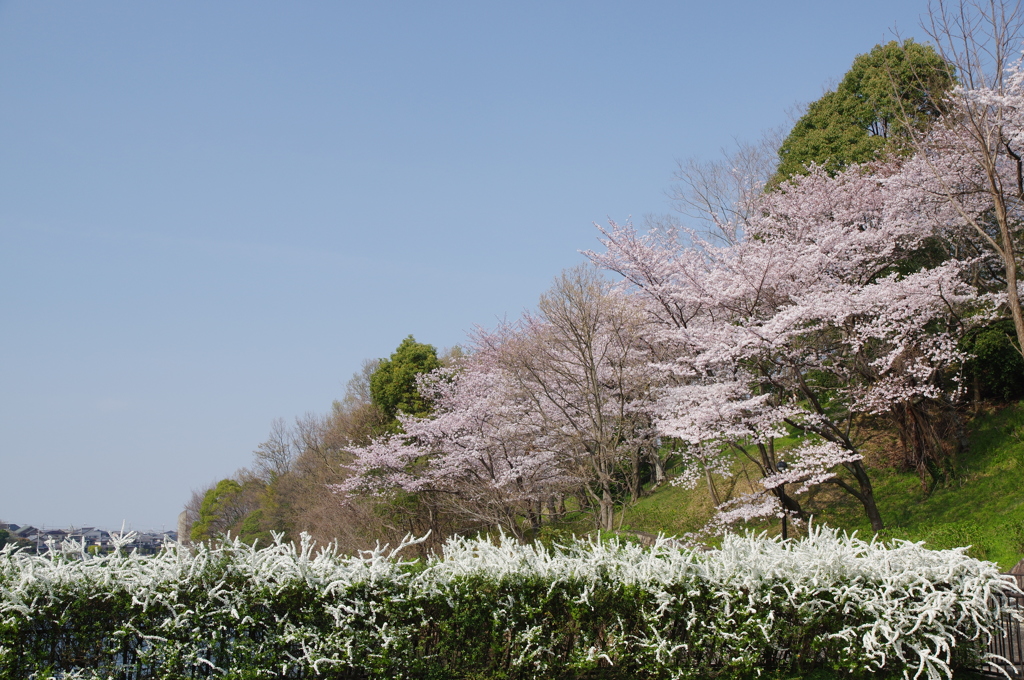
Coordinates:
<point>499,609</point>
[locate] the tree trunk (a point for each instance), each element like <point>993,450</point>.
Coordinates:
<point>634,475</point>
<point>1009,261</point>
<point>790,504</point>
<point>607,506</point>
<point>711,488</point>
<point>866,495</point>
<point>659,467</point>
<point>533,514</point>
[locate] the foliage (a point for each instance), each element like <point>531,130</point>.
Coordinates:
<point>393,385</point>
<point>244,507</point>
<point>886,96</point>
<point>995,363</point>
<point>829,602</point>
<point>477,458</point>
<point>215,506</point>
<point>779,331</point>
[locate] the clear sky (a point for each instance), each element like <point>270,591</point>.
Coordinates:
<point>212,212</point>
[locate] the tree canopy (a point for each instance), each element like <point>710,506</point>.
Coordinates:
<point>393,385</point>
<point>887,94</point>
<point>215,510</point>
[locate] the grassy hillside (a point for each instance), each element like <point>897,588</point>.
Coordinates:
<point>983,507</point>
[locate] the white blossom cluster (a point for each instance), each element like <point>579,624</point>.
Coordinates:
<point>828,600</point>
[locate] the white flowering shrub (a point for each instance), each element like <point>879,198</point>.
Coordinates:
<point>499,609</point>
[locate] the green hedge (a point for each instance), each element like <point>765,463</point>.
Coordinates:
<point>498,610</point>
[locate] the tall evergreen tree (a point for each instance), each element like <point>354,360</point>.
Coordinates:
<point>393,384</point>
<point>887,95</point>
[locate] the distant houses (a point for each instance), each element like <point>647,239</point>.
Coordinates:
<point>95,540</point>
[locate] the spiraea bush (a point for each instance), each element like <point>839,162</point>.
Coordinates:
<point>499,609</point>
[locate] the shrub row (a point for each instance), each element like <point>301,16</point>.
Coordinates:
<point>498,609</point>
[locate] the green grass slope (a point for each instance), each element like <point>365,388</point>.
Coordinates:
<point>983,507</point>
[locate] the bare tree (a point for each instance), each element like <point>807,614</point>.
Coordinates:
<point>193,505</point>
<point>275,456</point>
<point>293,473</point>
<point>582,364</point>
<point>305,498</point>
<point>354,419</point>
<point>719,194</point>
<point>976,151</point>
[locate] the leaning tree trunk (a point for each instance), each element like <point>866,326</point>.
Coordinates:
<point>1009,253</point>
<point>863,492</point>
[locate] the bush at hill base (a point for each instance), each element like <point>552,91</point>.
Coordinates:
<point>499,610</point>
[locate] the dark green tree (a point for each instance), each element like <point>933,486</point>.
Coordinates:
<point>996,367</point>
<point>393,384</point>
<point>888,94</point>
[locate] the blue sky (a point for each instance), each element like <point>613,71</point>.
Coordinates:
<point>212,213</point>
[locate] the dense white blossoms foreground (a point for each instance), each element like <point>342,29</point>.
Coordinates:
<point>499,609</point>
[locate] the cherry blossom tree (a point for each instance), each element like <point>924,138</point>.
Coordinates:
<point>477,457</point>
<point>804,325</point>
<point>967,175</point>
<point>582,363</point>
<point>557,403</point>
